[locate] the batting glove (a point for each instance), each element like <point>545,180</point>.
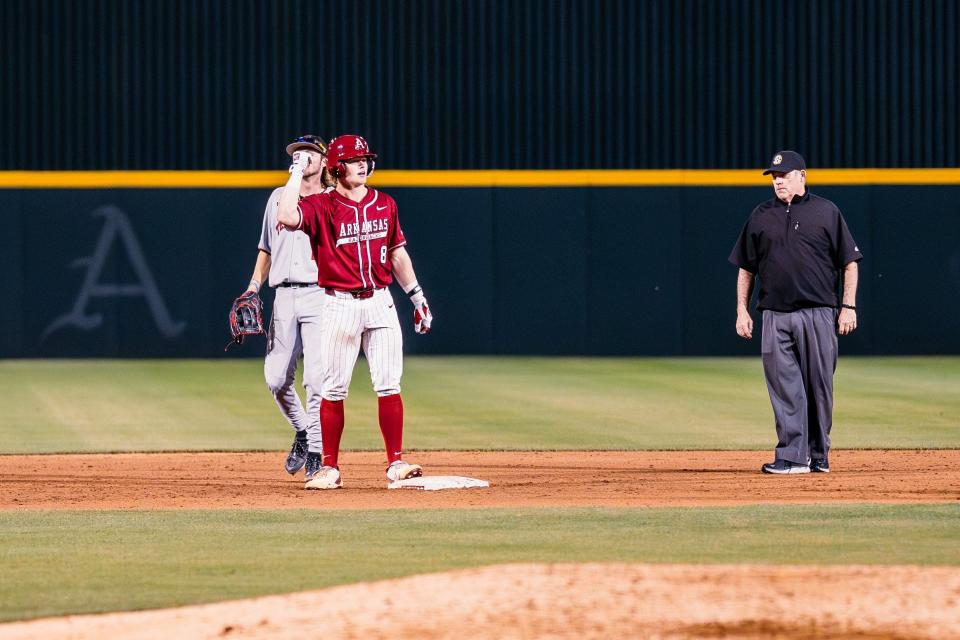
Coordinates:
<point>301,159</point>
<point>422,318</point>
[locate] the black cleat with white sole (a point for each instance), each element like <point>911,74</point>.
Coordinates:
<point>784,467</point>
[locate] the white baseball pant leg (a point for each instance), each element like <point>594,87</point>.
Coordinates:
<point>340,337</point>
<point>280,365</point>
<point>310,307</point>
<point>383,343</point>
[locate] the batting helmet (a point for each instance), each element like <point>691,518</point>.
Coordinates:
<point>347,147</point>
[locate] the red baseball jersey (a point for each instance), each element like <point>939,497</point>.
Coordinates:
<point>352,240</point>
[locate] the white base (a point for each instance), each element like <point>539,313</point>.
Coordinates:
<point>436,483</point>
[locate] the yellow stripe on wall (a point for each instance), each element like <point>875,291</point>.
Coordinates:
<point>489,178</point>
<point>139,179</point>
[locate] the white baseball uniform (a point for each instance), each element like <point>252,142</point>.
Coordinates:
<point>295,323</point>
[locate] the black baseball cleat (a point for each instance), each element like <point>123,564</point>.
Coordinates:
<point>314,462</point>
<point>783,467</point>
<point>298,453</point>
<point>820,465</point>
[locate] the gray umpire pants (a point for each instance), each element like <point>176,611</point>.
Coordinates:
<point>799,358</point>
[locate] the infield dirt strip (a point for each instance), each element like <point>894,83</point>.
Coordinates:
<point>517,479</point>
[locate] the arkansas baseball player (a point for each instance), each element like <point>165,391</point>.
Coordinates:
<point>295,322</point>
<point>359,248</point>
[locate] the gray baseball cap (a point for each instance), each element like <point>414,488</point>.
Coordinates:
<point>786,161</point>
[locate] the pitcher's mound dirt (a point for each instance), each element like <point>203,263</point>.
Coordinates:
<point>517,479</point>
<point>569,601</point>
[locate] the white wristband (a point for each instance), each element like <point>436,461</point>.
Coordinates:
<point>412,288</point>
<point>255,284</point>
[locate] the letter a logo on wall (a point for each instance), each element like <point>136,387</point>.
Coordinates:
<point>116,227</point>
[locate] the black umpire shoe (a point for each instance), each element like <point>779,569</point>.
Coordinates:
<point>298,453</point>
<point>783,467</point>
<point>820,465</point>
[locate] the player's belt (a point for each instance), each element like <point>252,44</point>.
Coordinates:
<point>360,294</point>
<point>297,285</point>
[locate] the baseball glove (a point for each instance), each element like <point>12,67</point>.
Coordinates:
<point>245,318</point>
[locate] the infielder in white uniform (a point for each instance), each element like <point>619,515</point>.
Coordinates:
<point>294,329</point>
<point>359,249</point>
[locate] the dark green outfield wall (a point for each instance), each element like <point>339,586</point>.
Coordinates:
<point>625,271</point>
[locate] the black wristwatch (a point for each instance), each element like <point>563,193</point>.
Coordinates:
<point>849,306</point>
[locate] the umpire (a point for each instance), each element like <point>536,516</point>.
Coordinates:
<point>799,245</point>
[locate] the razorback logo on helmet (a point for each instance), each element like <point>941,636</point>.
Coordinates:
<point>347,147</point>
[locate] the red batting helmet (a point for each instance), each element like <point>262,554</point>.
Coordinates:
<point>347,147</point>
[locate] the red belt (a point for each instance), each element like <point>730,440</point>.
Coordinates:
<point>360,294</point>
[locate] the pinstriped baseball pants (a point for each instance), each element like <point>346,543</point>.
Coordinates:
<point>350,324</point>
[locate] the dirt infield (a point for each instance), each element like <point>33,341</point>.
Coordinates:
<point>517,479</point>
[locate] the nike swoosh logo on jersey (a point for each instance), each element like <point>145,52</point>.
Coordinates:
<point>389,306</point>
<point>381,208</point>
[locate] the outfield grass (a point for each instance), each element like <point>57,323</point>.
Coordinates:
<point>71,562</point>
<point>471,403</point>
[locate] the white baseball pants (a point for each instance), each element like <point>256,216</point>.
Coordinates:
<point>351,324</point>
<point>295,329</point>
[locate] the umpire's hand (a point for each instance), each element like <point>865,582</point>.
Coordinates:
<point>744,324</point>
<point>847,321</point>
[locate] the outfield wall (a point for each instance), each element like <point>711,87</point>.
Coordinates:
<point>537,270</point>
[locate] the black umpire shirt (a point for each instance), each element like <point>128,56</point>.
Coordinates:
<point>798,250</point>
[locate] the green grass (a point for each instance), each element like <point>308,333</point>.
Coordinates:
<point>71,562</point>
<point>471,403</point>
<point>74,562</point>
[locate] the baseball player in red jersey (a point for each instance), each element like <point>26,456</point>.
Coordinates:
<point>359,249</point>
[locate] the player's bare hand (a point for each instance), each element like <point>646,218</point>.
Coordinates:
<point>744,324</point>
<point>847,321</point>
<point>422,317</point>
<point>301,160</point>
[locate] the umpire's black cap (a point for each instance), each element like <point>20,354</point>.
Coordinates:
<point>309,141</point>
<point>786,161</point>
